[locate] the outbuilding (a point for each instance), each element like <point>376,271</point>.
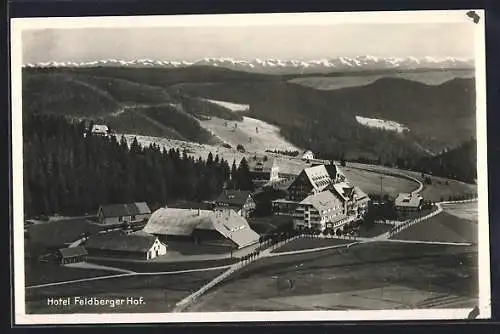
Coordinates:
<point>136,246</point>
<point>119,213</point>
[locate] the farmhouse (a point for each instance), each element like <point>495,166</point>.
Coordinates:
<point>310,181</point>
<point>118,213</point>
<point>319,212</point>
<point>136,246</point>
<point>307,155</point>
<point>72,255</point>
<point>263,169</point>
<point>408,202</point>
<point>218,227</point>
<point>240,201</point>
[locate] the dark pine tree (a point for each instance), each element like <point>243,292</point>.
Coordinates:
<point>244,179</point>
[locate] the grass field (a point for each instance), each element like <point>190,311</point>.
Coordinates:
<point>308,243</point>
<point>160,293</point>
<point>369,182</point>
<point>466,211</point>
<point>368,276</point>
<point>444,227</point>
<point>57,233</point>
<point>440,189</point>
<point>253,134</point>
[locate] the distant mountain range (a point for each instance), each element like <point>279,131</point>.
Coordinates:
<point>277,66</point>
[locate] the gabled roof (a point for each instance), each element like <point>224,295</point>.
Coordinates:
<point>182,222</point>
<point>322,201</point>
<point>408,200</point>
<point>120,210</point>
<point>318,176</point>
<point>73,251</point>
<point>235,198</point>
<point>174,221</point>
<point>121,242</point>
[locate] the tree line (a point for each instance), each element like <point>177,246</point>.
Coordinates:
<point>69,174</point>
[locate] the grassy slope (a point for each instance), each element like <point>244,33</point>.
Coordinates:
<point>61,94</point>
<point>440,189</point>
<point>443,227</point>
<point>84,95</point>
<point>284,103</point>
<point>272,99</point>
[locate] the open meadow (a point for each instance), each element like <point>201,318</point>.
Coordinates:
<point>443,227</point>
<point>255,135</point>
<point>467,211</point>
<point>369,182</point>
<point>377,275</point>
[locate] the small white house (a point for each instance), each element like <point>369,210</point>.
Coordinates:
<point>157,249</point>
<point>308,155</point>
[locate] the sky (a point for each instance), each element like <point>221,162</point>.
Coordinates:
<point>250,42</point>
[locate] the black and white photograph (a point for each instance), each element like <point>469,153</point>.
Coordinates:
<point>250,167</point>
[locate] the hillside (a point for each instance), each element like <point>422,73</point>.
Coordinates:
<point>60,94</point>
<point>126,106</point>
<point>459,163</point>
<point>439,115</point>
